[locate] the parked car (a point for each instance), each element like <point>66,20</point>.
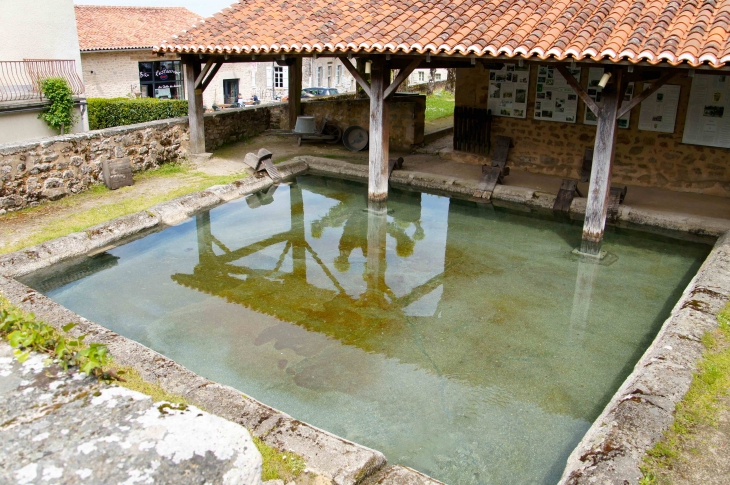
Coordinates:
<point>314,92</point>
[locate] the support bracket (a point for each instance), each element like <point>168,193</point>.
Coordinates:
<point>356,74</point>
<point>207,75</point>
<point>646,93</point>
<point>592,105</point>
<point>402,76</point>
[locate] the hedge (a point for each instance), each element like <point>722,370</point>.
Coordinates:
<point>106,113</point>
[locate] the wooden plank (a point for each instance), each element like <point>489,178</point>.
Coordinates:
<point>295,92</point>
<point>565,195</point>
<point>501,151</point>
<point>355,74</point>
<point>195,106</point>
<point>636,100</point>
<point>600,183</point>
<point>487,182</point>
<point>271,169</point>
<point>577,88</point>
<point>379,134</point>
<point>402,76</point>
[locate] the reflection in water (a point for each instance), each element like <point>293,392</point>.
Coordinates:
<point>460,339</point>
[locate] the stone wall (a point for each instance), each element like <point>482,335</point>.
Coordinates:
<point>51,168</point>
<point>644,158</point>
<point>407,116</point>
<point>231,125</point>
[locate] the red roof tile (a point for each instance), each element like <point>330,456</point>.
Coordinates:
<point>675,31</point>
<point>116,28</point>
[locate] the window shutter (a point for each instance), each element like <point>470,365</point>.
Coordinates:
<point>269,80</point>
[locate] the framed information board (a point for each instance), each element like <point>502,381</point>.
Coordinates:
<point>595,91</point>
<point>555,100</point>
<point>659,111</point>
<point>508,91</point>
<point>708,113</point>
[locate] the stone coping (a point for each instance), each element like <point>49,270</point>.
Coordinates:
<point>611,451</point>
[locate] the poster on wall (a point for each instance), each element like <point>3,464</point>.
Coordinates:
<point>508,91</point>
<point>659,111</point>
<point>594,91</point>
<point>708,113</point>
<point>555,100</point>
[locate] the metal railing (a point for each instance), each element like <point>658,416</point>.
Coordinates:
<point>20,80</point>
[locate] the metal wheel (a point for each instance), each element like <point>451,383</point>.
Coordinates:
<point>333,131</point>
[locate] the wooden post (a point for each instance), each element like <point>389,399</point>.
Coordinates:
<point>379,132</point>
<point>600,183</point>
<point>295,91</point>
<point>195,106</point>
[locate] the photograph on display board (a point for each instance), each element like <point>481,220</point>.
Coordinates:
<point>659,111</point>
<point>508,91</point>
<point>708,113</point>
<point>594,91</point>
<point>555,100</point>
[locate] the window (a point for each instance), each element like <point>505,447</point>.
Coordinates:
<point>230,91</point>
<point>421,76</point>
<point>338,75</point>
<point>278,77</point>
<point>329,75</point>
<point>437,76</point>
<point>161,79</point>
<point>319,75</point>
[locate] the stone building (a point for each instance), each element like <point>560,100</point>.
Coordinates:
<point>38,39</point>
<point>116,54</point>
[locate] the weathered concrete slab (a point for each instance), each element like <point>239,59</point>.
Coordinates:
<point>401,475</point>
<point>67,428</point>
<point>643,408</point>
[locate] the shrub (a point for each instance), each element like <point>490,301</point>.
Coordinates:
<point>59,114</point>
<point>106,113</point>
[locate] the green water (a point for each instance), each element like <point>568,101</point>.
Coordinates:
<point>463,340</point>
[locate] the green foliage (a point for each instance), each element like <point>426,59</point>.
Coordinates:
<point>700,406</point>
<point>106,113</point>
<point>26,334</point>
<point>278,465</point>
<point>59,114</point>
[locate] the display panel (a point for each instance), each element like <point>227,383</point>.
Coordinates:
<point>508,91</point>
<point>555,100</point>
<point>659,111</point>
<point>708,113</point>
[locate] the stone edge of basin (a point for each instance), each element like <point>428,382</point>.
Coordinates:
<point>643,408</point>
<point>342,461</point>
<point>696,225</point>
<point>612,449</point>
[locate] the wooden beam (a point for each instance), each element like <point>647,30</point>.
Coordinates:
<point>577,88</point>
<point>195,106</point>
<point>358,78</point>
<point>402,76</point>
<point>646,93</point>
<point>211,75</point>
<point>201,76</point>
<point>379,133</point>
<point>600,183</point>
<point>295,92</point>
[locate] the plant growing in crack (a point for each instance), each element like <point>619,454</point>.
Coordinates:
<point>59,113</point>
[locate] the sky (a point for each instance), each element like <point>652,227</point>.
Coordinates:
<point>204,8</point>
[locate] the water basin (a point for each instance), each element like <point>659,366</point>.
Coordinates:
<point>461,339</point>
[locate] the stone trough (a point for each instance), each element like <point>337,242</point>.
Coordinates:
<point>610,452</point>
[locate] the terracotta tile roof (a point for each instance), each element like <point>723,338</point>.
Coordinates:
<point>116,28</point>
<point>675,31</point>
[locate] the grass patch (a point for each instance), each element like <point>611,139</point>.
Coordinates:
<point>135,382</point>
<point>699,408</point>
<point>278,465</point>
<point>105,211</point>
<point>440,105</point>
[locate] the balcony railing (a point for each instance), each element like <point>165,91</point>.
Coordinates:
<point>21,80</point>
